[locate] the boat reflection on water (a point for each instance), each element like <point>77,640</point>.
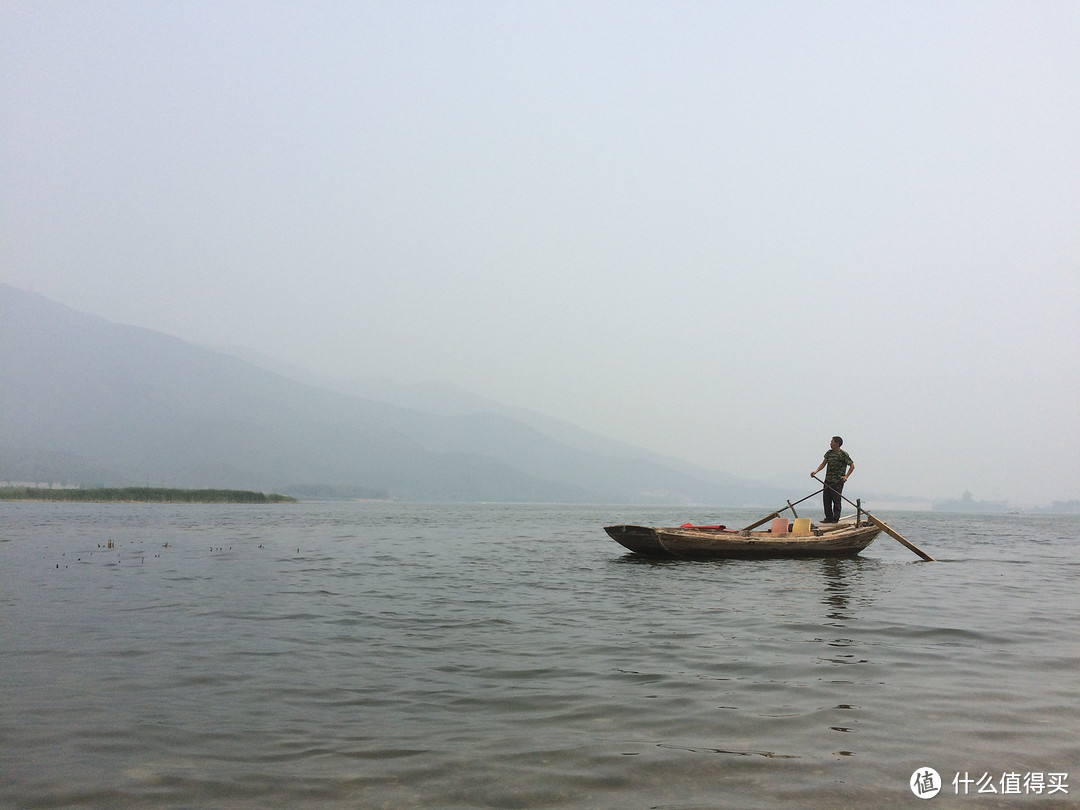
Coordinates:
<point>837,595</point>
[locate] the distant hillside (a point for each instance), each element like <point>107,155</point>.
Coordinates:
<point>446,399</point>
<point>86,401</point>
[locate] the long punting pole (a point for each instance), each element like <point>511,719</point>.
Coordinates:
<point>895,535</point>
<point>790,506</point>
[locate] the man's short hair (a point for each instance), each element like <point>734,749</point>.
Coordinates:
<point>838,440</point>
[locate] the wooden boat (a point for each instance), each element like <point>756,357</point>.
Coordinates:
<point>844,539</point>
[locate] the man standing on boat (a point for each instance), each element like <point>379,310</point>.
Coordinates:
<point>835,462</point>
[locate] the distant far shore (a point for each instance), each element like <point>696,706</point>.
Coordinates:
<point>140,495</point>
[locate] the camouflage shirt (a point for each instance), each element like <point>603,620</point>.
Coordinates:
<point>836,464</point>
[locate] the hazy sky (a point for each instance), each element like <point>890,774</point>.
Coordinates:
<point>721,230</point>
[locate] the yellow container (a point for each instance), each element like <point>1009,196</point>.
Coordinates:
<point>802,526</point>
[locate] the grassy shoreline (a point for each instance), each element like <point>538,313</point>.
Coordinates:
<point>141,495</point>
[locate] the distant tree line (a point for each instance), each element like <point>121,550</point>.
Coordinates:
<point>141,495</point>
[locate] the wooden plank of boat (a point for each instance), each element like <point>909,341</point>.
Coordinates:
<point>830,540</point>
<point>639,539</point>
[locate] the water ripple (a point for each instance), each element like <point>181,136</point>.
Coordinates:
<point>394,655</point>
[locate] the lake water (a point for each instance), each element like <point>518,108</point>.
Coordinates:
<point>383,655</point>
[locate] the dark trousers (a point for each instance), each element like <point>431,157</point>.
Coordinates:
<point>830,497</point>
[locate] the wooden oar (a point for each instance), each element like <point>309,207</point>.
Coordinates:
<point>895,535</point>
<point>790,506</point>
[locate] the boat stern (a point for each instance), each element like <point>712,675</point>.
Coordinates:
<point>639,539</point>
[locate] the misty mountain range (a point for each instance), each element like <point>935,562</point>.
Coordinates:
<point>89,402</point>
